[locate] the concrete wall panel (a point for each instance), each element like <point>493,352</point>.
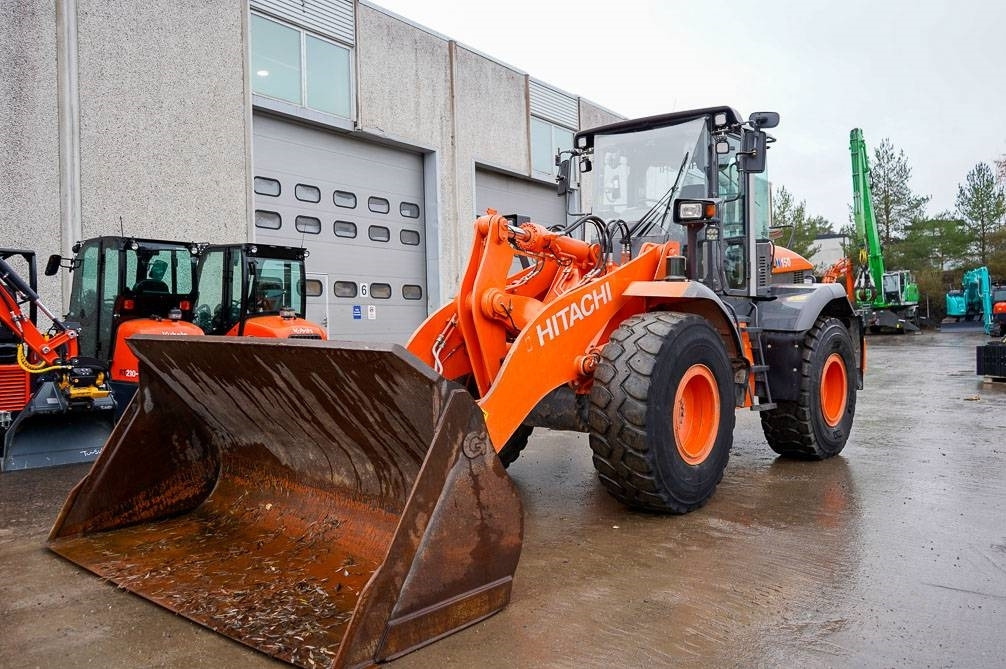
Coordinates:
<point>164,114</point>
<point>404,93</point>
<point>592,115</point>
<point>29,132</point>
<point>491,121</point>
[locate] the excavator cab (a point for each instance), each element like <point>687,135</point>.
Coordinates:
<point>253,290</point>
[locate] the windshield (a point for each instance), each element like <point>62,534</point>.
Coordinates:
<point>635,172</point>
<point>276,283</point>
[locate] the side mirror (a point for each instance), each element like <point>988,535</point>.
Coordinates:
<point>752,154</point>
<point>762,120</point>
<point>562,180</point>
<point>52,265</point>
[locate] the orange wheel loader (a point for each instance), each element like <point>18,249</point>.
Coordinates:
<point>337,504</point>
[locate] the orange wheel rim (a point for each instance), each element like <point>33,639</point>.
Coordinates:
<point>696,414</point>
<point>834,389</point>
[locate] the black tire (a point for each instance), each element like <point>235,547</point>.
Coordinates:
<point>800,429</point>
<point>514,445</point>
<point>635,450</point>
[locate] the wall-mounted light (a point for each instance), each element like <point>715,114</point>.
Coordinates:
<point>262,73</point>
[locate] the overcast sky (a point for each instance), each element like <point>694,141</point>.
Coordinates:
<point>928,74</point>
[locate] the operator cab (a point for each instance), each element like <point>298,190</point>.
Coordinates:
<point>239,283</point>
<point>695,177</point>
<point>118,279</point>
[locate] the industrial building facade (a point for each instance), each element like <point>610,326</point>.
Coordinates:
<point>329,124</point>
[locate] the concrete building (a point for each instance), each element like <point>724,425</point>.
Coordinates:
<point>831,248</point>
<point>332,124</point>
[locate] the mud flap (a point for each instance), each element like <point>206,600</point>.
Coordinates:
<point>328,504</point>
<point>48,432</point>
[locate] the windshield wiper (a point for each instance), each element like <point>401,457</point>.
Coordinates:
<point>644,225</point>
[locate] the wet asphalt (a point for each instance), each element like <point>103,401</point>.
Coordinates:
<point>892,554</point>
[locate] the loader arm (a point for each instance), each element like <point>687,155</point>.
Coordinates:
<point>516,346</point>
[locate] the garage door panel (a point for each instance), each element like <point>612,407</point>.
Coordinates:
<point>385,187</point>
<point>514,195</point>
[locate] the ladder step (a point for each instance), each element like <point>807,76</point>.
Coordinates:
<point>758,369</point>
<point>754,329</point>
<point>768,406</point>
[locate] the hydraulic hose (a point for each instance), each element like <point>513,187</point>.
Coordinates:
<point>41,368</point>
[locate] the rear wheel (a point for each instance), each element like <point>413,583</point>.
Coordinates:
<point>662,412</point>
<point>817,425</point>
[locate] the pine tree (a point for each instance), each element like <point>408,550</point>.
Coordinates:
<point>799,230</point>
<point>982,204</point>
<point>895,206</point>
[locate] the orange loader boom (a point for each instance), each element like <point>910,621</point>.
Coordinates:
<point>517,339</point>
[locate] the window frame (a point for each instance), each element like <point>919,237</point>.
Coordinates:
<point>552,126</point>
<point>351,67</point>
<point>296,193</point>
<point>297,224</point>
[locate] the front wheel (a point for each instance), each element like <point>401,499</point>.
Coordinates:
<point>817,425</point>
<point>662,412</point>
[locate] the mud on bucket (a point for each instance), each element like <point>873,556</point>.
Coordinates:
<point>330,504</point>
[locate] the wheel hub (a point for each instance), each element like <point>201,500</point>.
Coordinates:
<point>696,414</point>
<point>834,390</point>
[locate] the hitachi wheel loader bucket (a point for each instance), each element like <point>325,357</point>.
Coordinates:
<point>328,504</point>
<point>47,432</point>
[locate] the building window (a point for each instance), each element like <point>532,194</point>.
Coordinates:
<point>313,288</point>
<point>264,186</point>
<point>327,79</point>
<point>378,233</point>
<point>380,291</point>
<point>409,237</point>
<point>378,205</point>
<point>344,199</point>
<point>345,229</point>
<point>345,288</point>
<point>269,220</point>
<point>306,193</point>
<point>547,139</point>
<point>290,64</point>
<point>409,210</point>
<point>412,292</point>
<point>275,60</point>
<point>308,224</point>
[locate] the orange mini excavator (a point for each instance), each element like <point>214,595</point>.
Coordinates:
<point>55,404</point>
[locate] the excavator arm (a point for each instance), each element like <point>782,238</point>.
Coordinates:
<point>68,415</point>
<point>862,207</point>
<point>52,350</point>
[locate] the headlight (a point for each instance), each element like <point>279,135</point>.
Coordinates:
<point>689,211</point>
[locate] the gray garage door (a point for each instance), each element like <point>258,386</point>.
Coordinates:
<point>358,207</point>
<point>512,195</point>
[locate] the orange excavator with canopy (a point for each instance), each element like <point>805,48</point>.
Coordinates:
<point>56,405</point>
<point>337,504</point>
